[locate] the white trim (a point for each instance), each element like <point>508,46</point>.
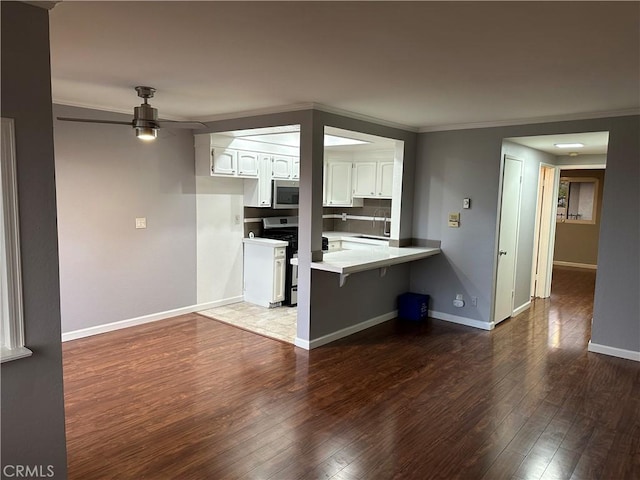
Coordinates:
<point>469,322</point>
<point>526,121</point>
<point>9,354</point>
<point>521,308</point>
<point>613,351</point>
<point>11,306</point>
<point>560,263</point>
<point>110,327</point>
<point>594,166</point>
<point>345,332</point>
<point>367,218</point>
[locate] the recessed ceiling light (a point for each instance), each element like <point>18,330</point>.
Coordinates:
<point>569,145</point>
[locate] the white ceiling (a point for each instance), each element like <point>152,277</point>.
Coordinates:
<point>595,143</point>
<point>426,65</point>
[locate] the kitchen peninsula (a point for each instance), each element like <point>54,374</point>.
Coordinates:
<point>360,253</point>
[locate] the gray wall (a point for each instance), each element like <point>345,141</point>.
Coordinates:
<point>466,163</point>
<point>106,177</point>
<point>364,296</point>
<point>616,311</point>
<point>32,394</point>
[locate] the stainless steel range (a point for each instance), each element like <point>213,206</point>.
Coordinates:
<point>286,229</point>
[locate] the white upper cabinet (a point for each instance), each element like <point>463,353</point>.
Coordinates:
<point>257,192</point>
<point>281,166</point>
<point>373,179</point>
<point>364,179</point>
<point>385,179</point>
<point>338,185</point>
<point>295,168</point>
<point>224,161</point>
<point>248,164</point>
<point>237,163</point>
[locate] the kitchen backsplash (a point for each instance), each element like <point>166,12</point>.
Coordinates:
<point>255,213</point>
<point>379,208</point>
<point>372,207</point>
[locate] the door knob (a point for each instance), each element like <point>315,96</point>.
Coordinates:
<point>502,252</point>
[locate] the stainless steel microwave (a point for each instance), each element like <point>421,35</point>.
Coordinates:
<point>285,194</point>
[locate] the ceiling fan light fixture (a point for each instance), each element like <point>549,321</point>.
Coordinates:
<point>146,133</point>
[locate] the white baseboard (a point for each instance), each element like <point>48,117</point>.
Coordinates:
<point>154,317</point>
<point>469,322</point>
<point>521,308</point>
<point>560,263</point>
<point>345,332</point>
<point>613,351</point>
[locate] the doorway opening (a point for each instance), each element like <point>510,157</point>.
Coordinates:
<point>558,213</point>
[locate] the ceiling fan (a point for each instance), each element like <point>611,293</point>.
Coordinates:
<point>145,118</point>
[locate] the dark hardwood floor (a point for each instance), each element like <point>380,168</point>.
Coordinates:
<point>192,398</point>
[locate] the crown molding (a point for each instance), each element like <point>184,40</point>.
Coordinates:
<point>45,5</point>
<point>306,106</point>
<point>526,121</point>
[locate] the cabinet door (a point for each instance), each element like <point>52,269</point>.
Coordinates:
<point>264,181</point>
<point>224,161</point>
<point>248,164</point>
<point>281,166</point>
<point>385,180</point>
<point>364,179</point>
<point>278,276</point>
<point>339,184</point>
<point>295,168</point>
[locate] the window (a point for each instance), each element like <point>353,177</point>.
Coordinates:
<point>11,320</point>
<point>577,200</point>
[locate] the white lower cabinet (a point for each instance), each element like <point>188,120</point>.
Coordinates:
<point>264,271</point>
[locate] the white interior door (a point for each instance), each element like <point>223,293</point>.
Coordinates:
<point>545,233</point>
<point>508,238</point>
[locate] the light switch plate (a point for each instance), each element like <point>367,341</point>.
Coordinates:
<point>141,222</point>
<point>466,203</point>
<point>454,220</point>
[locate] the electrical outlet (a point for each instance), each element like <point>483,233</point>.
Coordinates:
<point>474,301</point>
<point>236,219</point>
<point>458,302</point>
<point>344,217</point>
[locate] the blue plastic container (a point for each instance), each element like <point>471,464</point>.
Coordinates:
<point>413,306</point>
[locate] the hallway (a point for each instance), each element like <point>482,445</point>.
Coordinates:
<point>193,398</point>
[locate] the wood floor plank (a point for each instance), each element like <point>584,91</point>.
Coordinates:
<point>193,398</point>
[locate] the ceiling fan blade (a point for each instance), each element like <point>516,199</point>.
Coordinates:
<point>88,120</point>
<point>172,124</point>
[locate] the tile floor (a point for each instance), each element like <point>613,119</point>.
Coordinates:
<point>278,323</point>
